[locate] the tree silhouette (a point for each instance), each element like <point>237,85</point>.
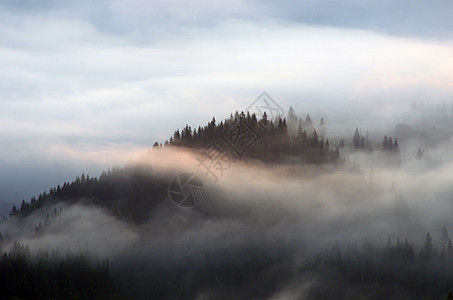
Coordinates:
<point>356,139</point>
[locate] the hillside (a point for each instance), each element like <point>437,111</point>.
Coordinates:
<point>132,192</point>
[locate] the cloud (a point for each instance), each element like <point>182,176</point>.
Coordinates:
<point>402,18</point>
<point>75,229</point>
<point>147,21</point>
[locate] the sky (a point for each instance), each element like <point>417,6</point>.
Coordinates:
<point>86,85</point>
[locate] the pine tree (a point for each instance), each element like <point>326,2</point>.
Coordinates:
<point>14,211</point>
<point>428,247</point>
<point>390,144</point>
<point>420,153</point>
<point>396,146</point>
<point>291,115</point>
<point>280,125</point>
<point>385,143</point>
<point>314,138</point>
<point>356,139</point>
<point>176,135</point>
<point>367,141</point>
<point>254,118</point>
<point>284,128</point>
<point>264,119</point>
<point>299,130</point>
<point>362,142</point>
<point>308,124</point>
<point>322,128</point>
<point>444,235</point>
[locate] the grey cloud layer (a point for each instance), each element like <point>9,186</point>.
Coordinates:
<point>406,18</point>
<point>138,19</point>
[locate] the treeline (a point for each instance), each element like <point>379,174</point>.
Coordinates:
<point>362,142</point>
<point>396,271</point>
<point>275,143</point>
<point>132,192</point>
<point>53,277</point>
<point>390,145</point>
<point>129,193</point>
<point>83,186</point>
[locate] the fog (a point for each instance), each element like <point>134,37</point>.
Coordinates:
<point>271,217</point>
<point>88,87</point>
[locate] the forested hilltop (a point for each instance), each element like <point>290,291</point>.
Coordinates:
<point>133,191</point>
<point>276,140</point>
<point>129,193</point>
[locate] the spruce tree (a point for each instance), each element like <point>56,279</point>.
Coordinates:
<point>356,139</point>
<point>385,143</point>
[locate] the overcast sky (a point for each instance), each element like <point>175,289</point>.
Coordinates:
<point>85,85</point>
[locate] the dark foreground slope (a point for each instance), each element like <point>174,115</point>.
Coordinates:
<point>194,255</point>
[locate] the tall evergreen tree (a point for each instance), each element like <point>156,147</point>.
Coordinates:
<point>390,144</point>
<point>396,145</point>
<point>444,235</point>
<point>385,143</point>
<point>322,128</point>
<point>308,124</point>
<point>428,247</point>
<point>292,117</point>
<point>356,139</point>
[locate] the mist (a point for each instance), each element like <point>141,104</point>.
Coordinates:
<point>346,194</point>
<point>267,217</point>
